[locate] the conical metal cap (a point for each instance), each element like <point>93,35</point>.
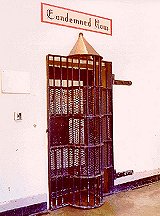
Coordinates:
<point>82,47</point>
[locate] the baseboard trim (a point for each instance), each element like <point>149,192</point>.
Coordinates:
<point>25,211</point>
<point>135,184</point>
<point>42,207</point>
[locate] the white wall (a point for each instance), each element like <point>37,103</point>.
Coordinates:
<point>134,50</point>
<point>137,108</point>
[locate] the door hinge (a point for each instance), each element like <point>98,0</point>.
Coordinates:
<point>122,174</point>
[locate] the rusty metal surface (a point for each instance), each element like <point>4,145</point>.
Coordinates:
<point>120,82</point>
<point>79,130</point>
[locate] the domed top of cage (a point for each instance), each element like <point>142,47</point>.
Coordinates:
<point>82,47</point>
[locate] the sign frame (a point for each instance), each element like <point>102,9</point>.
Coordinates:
<point>43,19</point>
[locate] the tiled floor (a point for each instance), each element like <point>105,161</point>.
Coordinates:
<point>139,202</point>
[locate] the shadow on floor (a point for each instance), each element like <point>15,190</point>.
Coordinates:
<point>144,201</point>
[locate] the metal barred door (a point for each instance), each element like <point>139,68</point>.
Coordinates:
<point>79,90</point>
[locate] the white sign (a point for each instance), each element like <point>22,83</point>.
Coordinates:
<point>75,19</point>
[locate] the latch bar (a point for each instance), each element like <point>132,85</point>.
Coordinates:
<point>120,82</point>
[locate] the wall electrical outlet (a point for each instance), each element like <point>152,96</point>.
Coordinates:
<point>17,116</point>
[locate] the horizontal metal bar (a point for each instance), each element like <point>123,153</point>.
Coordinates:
<point>122,174</point>
<point>122,82</point>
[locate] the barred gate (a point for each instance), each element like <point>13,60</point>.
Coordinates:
<point>79,130</point>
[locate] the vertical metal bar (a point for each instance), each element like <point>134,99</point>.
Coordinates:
<point>112,184</point>
<point>62,147</point>
<point>54,76</point>
<point>73,146</point>
<point>55,149</point>
<point>48,110</point>
<point>94,113</point>
<point>79,94</point>
<point>87,114</point>
<point>100,113</point>
<point>54,88</point>
<point>61,86</point>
